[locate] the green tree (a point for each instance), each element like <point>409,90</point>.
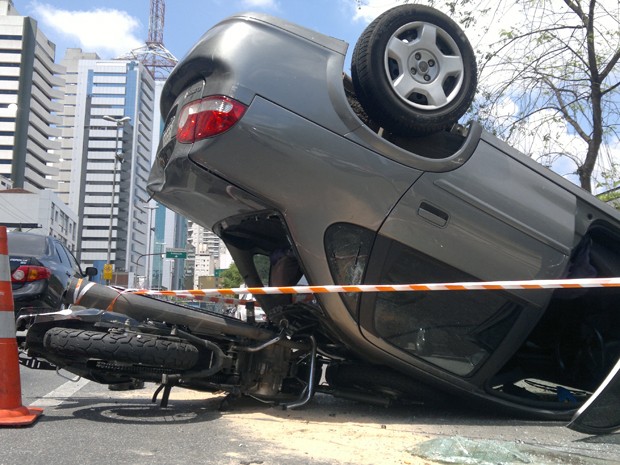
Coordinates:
<point>261,262</point>
<point>231,278</point>
<point>611,195</point>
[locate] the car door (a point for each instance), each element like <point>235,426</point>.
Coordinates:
<point>493,219</point>
<point>62,270</point>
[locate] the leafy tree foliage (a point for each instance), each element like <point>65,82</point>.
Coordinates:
<point>231,278</point>
<point>262,268</point>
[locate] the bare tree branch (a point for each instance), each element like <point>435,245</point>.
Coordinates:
<point>552,65</point>
<point>567,116</point>
<point>610,65</point>
<point>611,88</point>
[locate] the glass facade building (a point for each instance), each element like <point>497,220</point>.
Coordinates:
<point>106,171</point>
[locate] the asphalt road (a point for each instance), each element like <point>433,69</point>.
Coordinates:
<point>85,423</point>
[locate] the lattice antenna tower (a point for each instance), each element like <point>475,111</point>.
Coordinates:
<point>153,54</point>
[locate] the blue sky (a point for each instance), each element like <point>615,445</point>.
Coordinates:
<point>114,27</point>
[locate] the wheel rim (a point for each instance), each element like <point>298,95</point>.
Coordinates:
<point>424,66</point>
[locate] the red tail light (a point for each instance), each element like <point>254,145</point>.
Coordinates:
<point>29,273</point>
<point>208,117</point>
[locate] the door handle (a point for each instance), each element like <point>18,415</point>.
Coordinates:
<point>433,214</point>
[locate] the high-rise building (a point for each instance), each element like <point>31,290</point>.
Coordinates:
<point>67,122</point>
<point>30,90</point>
<point>170,270</point>
<point>210,253</point>
<point>107,124</point>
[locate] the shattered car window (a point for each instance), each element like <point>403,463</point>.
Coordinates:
<point>453,330</point>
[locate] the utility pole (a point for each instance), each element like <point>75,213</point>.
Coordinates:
<point>118,156</point>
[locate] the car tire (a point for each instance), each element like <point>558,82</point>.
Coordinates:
<point>121,347</point>
<point>414,71</point>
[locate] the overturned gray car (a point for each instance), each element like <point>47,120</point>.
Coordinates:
<point>369,179</point>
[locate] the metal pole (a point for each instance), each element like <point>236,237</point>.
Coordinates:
<point>161,273</point>
<point>109,261</point>
<point>113,196</point>
<point>160,246</point>
<point>150,249</point>
<point>137,262</point>
<point>117,157</point>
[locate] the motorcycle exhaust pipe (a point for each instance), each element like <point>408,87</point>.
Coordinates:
<point>140,307</point>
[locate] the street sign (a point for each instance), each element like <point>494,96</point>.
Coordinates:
<point>217,273</point>
<point>176,253</point>
<point>107,271</point>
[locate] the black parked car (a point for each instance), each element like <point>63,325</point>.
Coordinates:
<point>41,267</point>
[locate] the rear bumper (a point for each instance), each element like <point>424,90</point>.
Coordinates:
<point>31,295</point>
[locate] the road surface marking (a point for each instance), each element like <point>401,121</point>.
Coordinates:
<point>60,394</point>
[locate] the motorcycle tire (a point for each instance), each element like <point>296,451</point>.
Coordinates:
<point>414,71</point>
<point>122,347</point>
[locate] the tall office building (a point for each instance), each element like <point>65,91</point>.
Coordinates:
<point>107,125</point>
<point>67,122</point>
<point>210,253</point>
<point>30,88</point>
<point>170,233</point>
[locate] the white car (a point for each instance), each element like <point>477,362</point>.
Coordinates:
<point>242,313</point>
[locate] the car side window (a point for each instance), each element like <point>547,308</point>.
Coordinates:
<point>456,331</point>
<point>348,247</point>
<point>68,259</point>
<point>75,265</point>
<point>61,254</point>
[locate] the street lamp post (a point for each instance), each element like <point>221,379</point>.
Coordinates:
<point>160,271</point>
<point>118,156</point>
<point>150,248</point>
<point>147,284</point>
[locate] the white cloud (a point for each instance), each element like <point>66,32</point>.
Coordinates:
<point>108,32</point>
<point>263,4</point>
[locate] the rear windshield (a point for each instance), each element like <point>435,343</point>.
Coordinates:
<point>27,245</point>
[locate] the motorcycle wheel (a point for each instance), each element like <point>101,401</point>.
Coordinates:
<point>414,71</point>
<point>122,347</point>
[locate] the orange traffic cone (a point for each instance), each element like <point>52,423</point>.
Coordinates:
<point>12,412</point>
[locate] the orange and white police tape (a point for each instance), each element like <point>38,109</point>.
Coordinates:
<point>12,412</point>
<point>462,286</point>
